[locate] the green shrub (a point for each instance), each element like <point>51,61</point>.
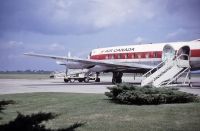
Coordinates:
<point>3,104</point>
<point>33,122</point>
<point>129,94</point>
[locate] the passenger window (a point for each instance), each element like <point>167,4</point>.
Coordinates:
<point>109,56</point>
<point>106,56</point>
<point>147,55</point>
<point>126,56</point>
<point>155,55</point>
<point>119,56</point>
<point>133,56</point>
<point>136,55</point>
<point>139,55</point>
<point>113,56</point>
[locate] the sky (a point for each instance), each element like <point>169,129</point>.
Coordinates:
<point>57,27</point>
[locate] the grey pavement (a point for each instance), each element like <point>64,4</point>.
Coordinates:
<point>12,86</point>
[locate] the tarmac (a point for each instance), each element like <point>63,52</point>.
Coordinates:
<point>13,86</point>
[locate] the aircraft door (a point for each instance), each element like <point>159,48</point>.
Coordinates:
<point>184,50</point>
<point>168,53</point>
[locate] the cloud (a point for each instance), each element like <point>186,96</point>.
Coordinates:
<point>184,12</point>
<point>11,51</point>
<point>176,33</point>
<point>188,7</point>
<point>138,39</point>
<point>107,13</point>
<point>56,47</point>
<point>51,26</point>
<point>11,45</point>
<point>69,16</point>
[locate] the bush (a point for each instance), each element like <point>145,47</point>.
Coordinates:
<point>3,103</point>
<point>129,94</point>
<point>33,123</point>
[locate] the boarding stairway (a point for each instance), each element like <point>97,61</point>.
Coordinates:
<point>167,72</point>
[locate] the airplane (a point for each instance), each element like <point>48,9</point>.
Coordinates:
<point>131,58</point>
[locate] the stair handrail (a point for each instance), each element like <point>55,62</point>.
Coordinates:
<point>171,80</point>
<point>183,55</point>
<point>178,58</point>
<point>150,71</point>
<point>179,74</point>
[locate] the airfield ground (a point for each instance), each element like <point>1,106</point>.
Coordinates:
<point>26,83</point>
<point>85,102</point>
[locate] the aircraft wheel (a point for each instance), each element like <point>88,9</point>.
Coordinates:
<point>97,80</point>
<point>119,80</point>
<point>116,80</point>
<point>86,79</point>
<point>72,80</point>
<point>117,77</point>
<point>190,85</point>
<point>66,80</point>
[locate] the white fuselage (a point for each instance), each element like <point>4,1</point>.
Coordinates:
<point>150,54</point>
<point>147,54</point>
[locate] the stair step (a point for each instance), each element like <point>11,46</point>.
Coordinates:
<point>166,73</point>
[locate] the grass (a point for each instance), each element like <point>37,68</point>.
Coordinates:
<point>101,115</point>
<point>24,76</point>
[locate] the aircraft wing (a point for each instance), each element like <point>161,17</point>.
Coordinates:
<point>94,62</point>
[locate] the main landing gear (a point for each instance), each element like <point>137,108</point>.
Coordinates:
<point>97,79</point>
<point>117,77</point>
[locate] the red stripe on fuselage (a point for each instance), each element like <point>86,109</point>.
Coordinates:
<point>132,55</point>
<point>137,55</point>
<point>195,53</point>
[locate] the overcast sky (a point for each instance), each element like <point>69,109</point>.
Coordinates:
<point>59,26</point>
